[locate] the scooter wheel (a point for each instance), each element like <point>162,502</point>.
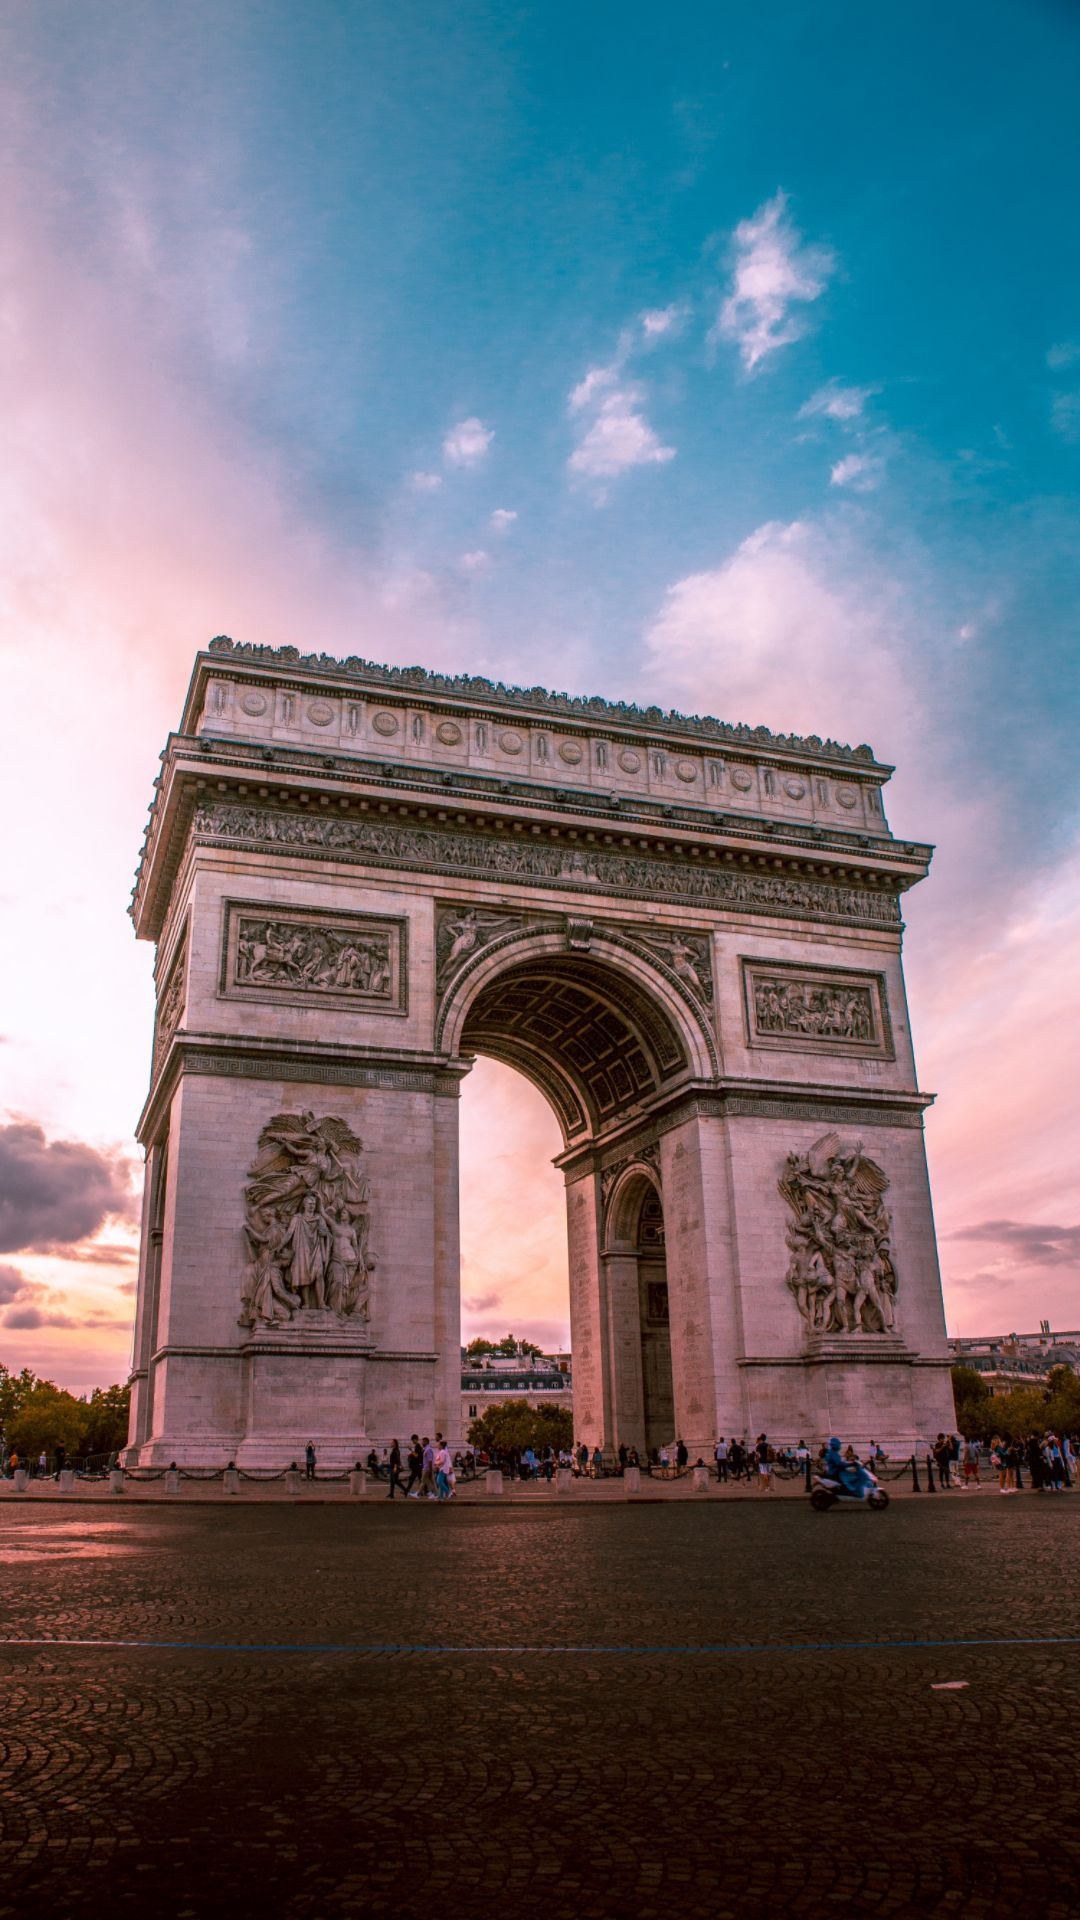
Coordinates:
<point>879,1499</point>
<point>820,1500</point>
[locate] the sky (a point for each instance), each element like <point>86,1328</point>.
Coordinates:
<point>726,358</point>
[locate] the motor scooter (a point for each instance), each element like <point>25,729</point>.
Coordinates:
<point>828,1491</point>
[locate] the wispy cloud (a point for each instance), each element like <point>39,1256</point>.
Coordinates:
<point>476,562</point>
<point>502,519</point>
<point>835,402</point>
<point>1027,1241</point>
<point>659,323</point>
<point>616,434</point>
<point>467,442</point>
<point>425,482</point>
<point>1065,415</point>
<point>860,471</point>
<point>1064,354</point>
<point>774,271</point>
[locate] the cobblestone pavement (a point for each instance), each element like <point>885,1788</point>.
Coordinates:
<point>670,1713</point>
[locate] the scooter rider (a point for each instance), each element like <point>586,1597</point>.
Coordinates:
<point>851,1475</point>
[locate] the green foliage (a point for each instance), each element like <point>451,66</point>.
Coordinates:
<point>15,1389</point>
<point>515,1424</point>
<point>37,1415</point>
<point>973,1400</point>
<point>107,1419</point>
<point>508,1345</point>
<point>48,1418</point>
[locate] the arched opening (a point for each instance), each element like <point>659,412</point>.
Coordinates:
<point>603,1039</point>
<point>642,1393</point>
<point>513,1215</point>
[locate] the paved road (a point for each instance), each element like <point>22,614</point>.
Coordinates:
<point>541,1713</point>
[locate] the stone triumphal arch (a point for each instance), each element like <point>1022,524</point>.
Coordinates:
<point>686,934</point>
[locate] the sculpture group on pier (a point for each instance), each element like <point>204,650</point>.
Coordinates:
<point>306,1222</point>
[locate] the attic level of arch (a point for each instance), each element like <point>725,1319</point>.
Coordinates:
<point>197,765</point>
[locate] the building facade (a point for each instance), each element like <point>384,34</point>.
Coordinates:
<point>541,1380</point>
<point>686,934</point>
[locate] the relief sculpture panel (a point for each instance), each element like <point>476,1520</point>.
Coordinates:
<point>307,1219</point>
<point>841,1269</point>
<point>346,959</point>
<point>816,1009</point>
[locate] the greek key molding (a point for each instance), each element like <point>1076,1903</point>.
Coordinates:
<point>593,870</point>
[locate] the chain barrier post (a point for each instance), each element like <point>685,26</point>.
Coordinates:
<point>915,1487</point>
<point>930,1487</point>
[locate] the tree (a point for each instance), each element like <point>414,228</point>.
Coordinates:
<point>508,1345</point>
<point>107,1419</point>
<point>973,1399</point>
<point>48,1418</point>
<point>513,1423</point>
<point>1063,1401</point>
<point>15,1389</point>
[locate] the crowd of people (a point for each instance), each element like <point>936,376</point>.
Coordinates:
<point>1049,1459</point>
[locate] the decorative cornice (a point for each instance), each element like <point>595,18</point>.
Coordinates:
<point>231,1057</point>
<point>475,687</point>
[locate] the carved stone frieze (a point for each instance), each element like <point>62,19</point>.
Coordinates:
<point>307,1222</point>
<point>841,1270</point>
<point>522,862</point>
<point>170,1004</point>
<point>816,1009</point>
<point>345,959</point>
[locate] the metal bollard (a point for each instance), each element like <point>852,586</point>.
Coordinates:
<point>172,1480</point>
<point>930,1487</point>
<point>915,1487</point>
<point>116,1480</point>
<point>357,1480</point>
<point>631,1481</point>
<point>493,1480</point>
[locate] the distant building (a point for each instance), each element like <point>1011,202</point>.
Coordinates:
<point>543,1379</point>
<point>1017,1359</point>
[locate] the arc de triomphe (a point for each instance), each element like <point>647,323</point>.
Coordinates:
<point>686,934</point>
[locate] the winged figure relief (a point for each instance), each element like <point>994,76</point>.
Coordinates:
<point>841,1269</point>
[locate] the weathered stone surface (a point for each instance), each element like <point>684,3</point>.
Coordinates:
<point>688,936</point>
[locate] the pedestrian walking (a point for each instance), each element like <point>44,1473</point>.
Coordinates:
<point>395,1470</point>
<point>416,1466</point>
<point>309,1462</point>
<point>427,1470</point>
<point>720,1455</point>
<point>765,1457</point>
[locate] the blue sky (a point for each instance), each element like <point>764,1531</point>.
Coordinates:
<point>727,358</point>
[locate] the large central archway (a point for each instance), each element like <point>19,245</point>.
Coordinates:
<point>603,1042</point>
